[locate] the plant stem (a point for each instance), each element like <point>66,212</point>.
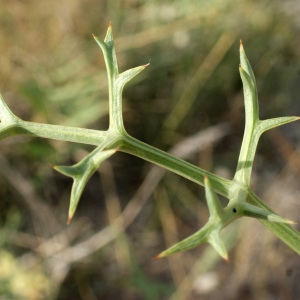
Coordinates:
<point>163,159</point>
<point>63,133</point>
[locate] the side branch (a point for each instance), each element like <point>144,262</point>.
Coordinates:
<point>63,133</point>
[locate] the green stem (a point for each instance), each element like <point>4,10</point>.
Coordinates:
<point>115,107</point>
<point>63,133</point>
<point>163,159</point>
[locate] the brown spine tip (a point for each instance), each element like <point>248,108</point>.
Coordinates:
<point>110,25</point>
<point>146,65</point>
<point>94,36</point>
<point>241,45</point>
<point>158,256</point>
<point>69,219</point>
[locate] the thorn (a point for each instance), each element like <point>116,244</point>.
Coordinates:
<point>253,211</point>
<point>110,24</point>
<point>94,36</point>
<point>290,222</point>
<point>157,257</point>
<point>278,219</point>
<point>160,255</point>
<point>69,219</point>
<point>241,45</point>
<point>146,65</point>
<point>215,240</point>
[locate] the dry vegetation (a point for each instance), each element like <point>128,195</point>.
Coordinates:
<point>188,101</point>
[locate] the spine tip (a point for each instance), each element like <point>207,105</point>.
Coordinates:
<point>241,45</point>
<point>69,220</point>
<point>158,256</point>
<point>146,65</point>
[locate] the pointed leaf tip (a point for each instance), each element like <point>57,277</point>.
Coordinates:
<point>277,219</point>
<point>158,256</point>
<point>70,217</point>
<point>241,45</point>
<point>145,66</point>
<point>215,240</point>
<point>225,257</point>
<point>215,208</point>
<point>253,211</point>
<point>110,24</point>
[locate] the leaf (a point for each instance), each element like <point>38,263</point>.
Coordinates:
<point>215,208</point>
<point>109,53</point>
<point>246,64</point>
<point>194,240</point>
<point>250,97</point>
<point>126,76</point>
<point>275,122</point>
<point>259,213</point>
<point>215,240</point>
<point>81,173</point>
<point>208,233</point>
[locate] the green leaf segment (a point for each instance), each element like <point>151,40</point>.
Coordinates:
<point>242,200</point>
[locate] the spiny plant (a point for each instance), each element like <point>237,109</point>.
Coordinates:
<point>242,200</point>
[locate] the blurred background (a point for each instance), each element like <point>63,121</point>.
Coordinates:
<point>188,101</point>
